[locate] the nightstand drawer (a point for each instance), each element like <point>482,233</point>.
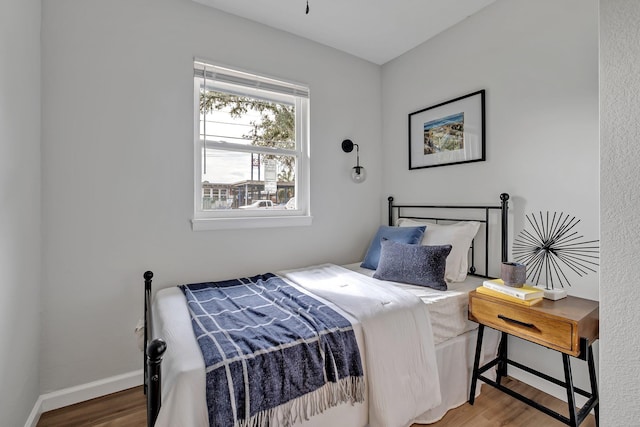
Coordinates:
<point>522,322</point>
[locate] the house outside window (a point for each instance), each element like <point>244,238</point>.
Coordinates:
<point>251,150</point>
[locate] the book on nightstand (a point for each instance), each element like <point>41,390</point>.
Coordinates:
<point>487,291</point>
<point>524,293</point>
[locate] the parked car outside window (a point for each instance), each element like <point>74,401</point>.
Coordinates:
<point>259,204</point>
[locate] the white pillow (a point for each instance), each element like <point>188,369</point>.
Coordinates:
<point>459,235</point>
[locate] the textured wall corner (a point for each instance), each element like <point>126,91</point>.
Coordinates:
<point>620,203</point>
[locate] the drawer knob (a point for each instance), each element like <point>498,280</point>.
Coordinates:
<point>517,322</point>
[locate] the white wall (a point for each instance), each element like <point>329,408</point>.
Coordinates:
<point>538,62</point>
<point>620,200</point>
<point>20,256</point>
<point>118,165</point>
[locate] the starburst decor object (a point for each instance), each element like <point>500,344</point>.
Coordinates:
<point>552,247</point>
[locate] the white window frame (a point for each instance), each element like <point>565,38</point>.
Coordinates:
<point>249,84</point>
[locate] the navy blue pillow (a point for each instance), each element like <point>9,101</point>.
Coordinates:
<point>413,264</point>
<point>410,235</point>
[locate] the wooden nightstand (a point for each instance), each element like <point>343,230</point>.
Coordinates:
<point>569,325</point>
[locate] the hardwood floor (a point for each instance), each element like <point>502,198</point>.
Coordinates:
<point>491,409</point>
<point>123,409</point>
<point>494,408</point>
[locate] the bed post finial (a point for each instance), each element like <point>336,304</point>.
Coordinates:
<point>390,202</point>
<point>148,275</point>
<point>504,198</point>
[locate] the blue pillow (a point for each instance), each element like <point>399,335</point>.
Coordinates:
<point>410,235</point>
<point>413,264</point>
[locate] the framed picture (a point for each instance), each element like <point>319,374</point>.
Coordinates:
<point>449,133</point>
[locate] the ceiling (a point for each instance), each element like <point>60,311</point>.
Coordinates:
<point>375,30</point>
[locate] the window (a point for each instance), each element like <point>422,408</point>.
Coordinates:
<point>251,150</point>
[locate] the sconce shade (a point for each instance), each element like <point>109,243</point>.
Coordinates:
<point>358,174</point>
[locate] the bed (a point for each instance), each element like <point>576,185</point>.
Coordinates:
<point>411,337</point>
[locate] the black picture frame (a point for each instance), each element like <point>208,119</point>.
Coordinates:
<point>449,133</point>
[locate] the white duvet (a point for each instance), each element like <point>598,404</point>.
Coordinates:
<point>398,342</point>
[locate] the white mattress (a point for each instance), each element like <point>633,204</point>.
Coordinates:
<point>183,389</point>
<point>448,309</point>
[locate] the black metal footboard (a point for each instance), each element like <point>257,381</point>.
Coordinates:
<point>153,351</point>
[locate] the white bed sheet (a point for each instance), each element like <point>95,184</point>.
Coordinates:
<point>448,309</point>
<point>183,391</point>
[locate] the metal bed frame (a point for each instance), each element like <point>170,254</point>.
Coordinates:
<point>154,348</point>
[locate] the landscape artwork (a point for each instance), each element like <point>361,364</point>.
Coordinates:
<point>445,134</point>
<point>448,133</point>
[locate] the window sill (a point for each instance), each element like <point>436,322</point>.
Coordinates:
<point>205,224</point>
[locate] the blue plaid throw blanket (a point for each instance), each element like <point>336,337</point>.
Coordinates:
<point>273,354</point>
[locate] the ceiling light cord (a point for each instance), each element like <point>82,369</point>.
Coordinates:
<point>307,7</point>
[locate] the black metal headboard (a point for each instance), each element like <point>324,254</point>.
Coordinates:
<point>479,213</point>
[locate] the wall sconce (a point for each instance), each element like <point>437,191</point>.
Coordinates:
<point>358,174</point>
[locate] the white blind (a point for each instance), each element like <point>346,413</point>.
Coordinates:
<point>226,75</point>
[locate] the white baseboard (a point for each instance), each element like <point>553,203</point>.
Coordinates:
<point>34,416</point>
<point>80,393</point>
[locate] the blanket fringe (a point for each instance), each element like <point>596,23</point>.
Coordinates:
<point>348,389</point>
